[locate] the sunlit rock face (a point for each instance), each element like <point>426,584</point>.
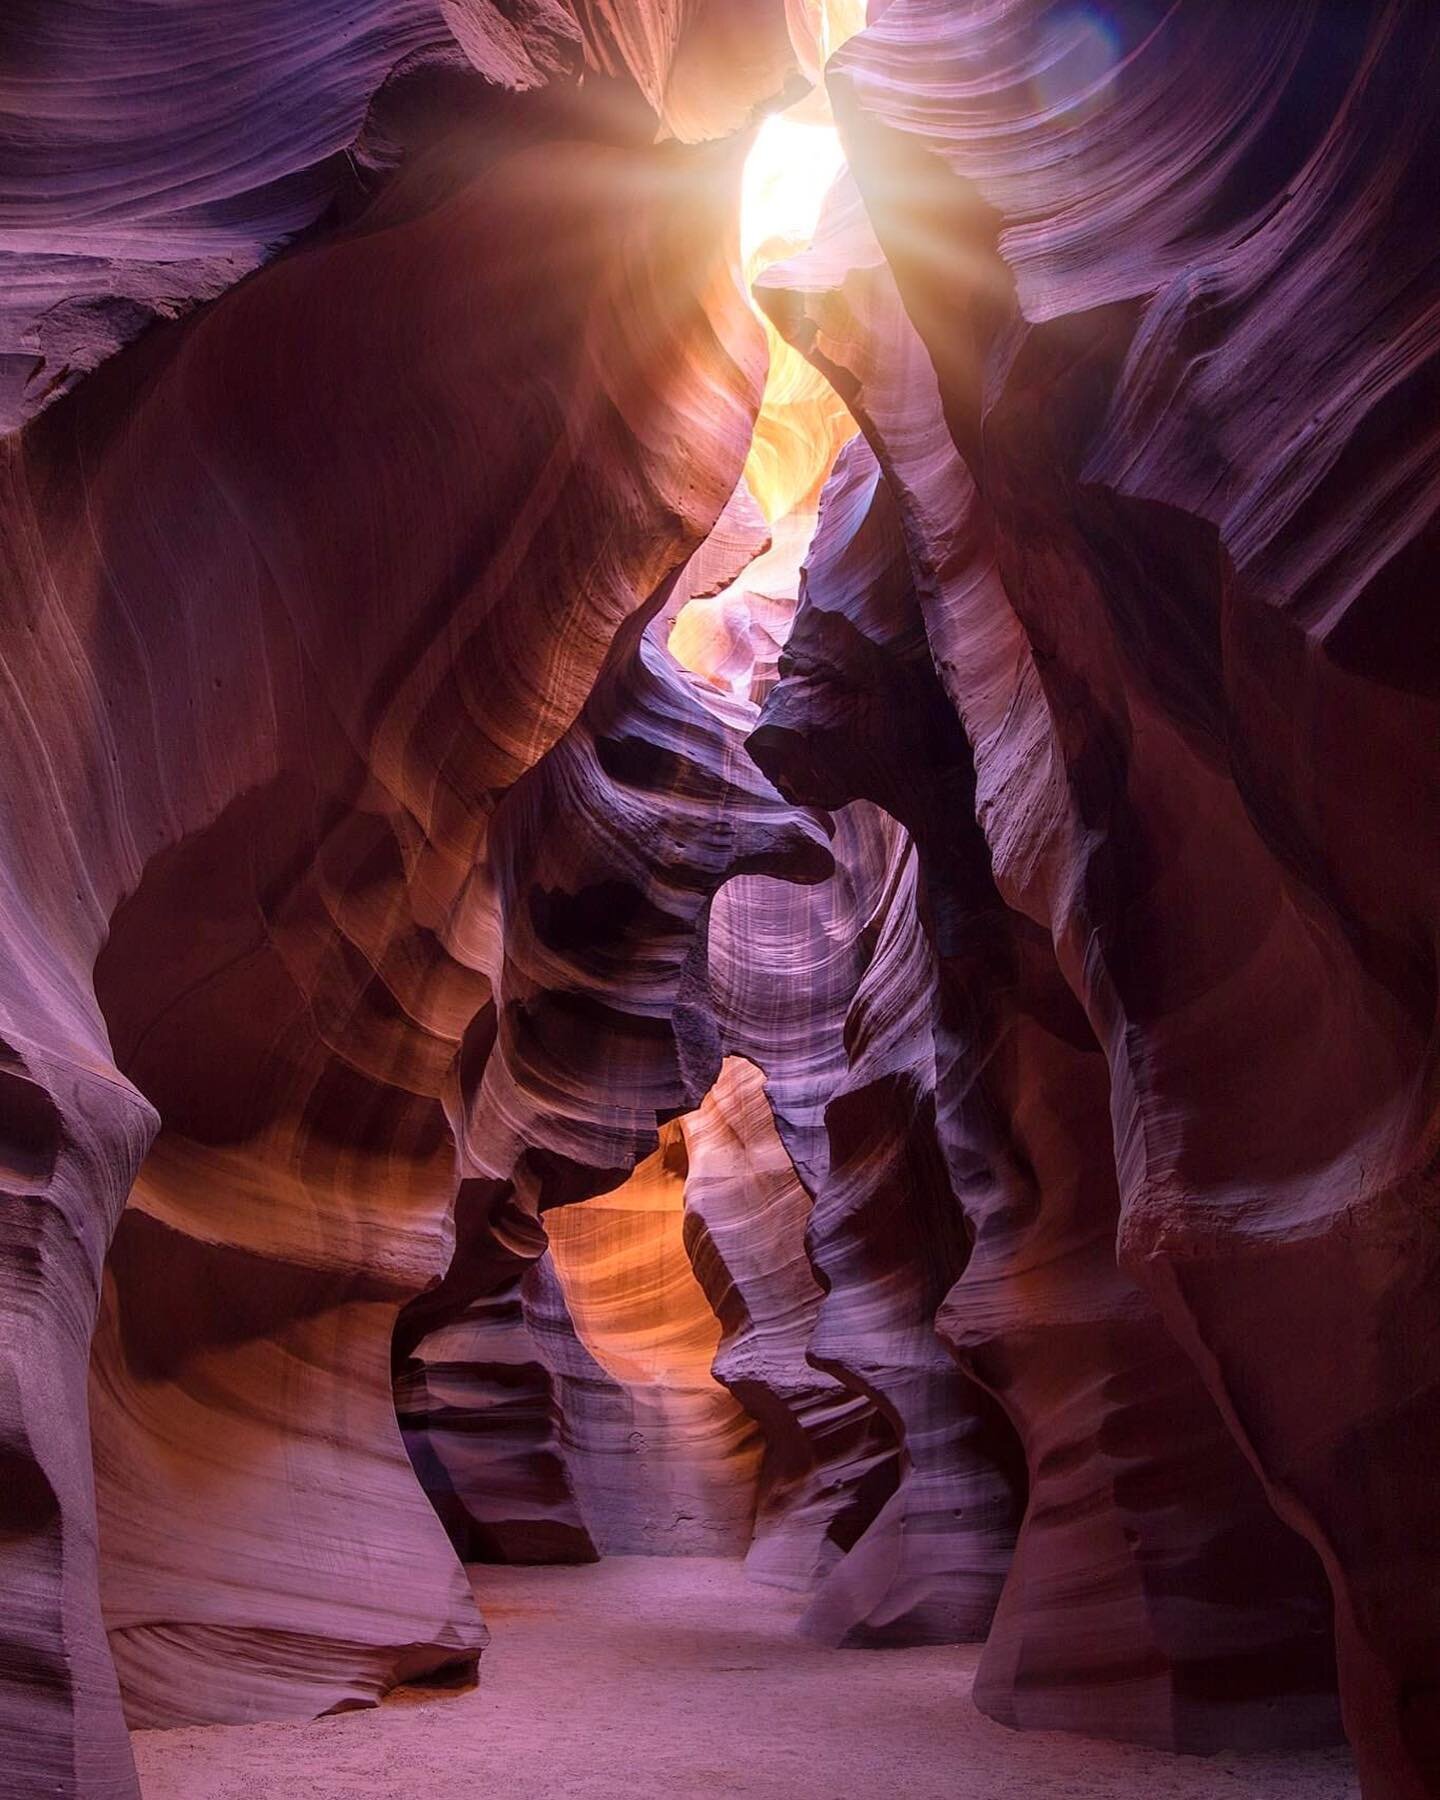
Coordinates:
<point>672,1466</point>
<point>347,899</point>
<point>155,156</point>
<point>1169,272</point>
<point>648,917</point>
<point>1121,1610</point>
<point>260,714</point>
<point>831,1456</point>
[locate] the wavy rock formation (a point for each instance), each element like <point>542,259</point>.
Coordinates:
<point>476,1398</point>
<point>887,1234</point>
<point>1141,1601</point>
<point>155,156</point>
<point>594,901</point>
<point>830,1457</point>
<point>797,976</point>
<point>1191,663</point>
<point>590,969</point>
<point>888,1240</point>
<point>669,1465</point>
<point>269,667</point>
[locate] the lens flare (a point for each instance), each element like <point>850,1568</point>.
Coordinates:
<point>1083,54</point>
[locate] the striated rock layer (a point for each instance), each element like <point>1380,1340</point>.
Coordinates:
<point>831,1459</point>
<point>293,594</point>
<point>1142,1601</point>
<point>154,156</point>
<point>669,1465</point>
<point>1189,651</point>
<point>582,954</point>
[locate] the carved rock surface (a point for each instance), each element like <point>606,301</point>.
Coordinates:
<point>830,1459</point>
<point>270,663</point>
<point>155,155</point>
<point>665,1459</point>
<point>602,864</point>
<point>1197,668</point>
<point>801,984</point>
<point>585,973</point>
<point>1141,1601</point>
<point>887,1234</point>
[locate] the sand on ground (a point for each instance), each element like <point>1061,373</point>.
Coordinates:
<point>667,1678</point>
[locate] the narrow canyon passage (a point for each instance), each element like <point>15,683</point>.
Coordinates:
<point>719,873</point>
<point>646,1676</point>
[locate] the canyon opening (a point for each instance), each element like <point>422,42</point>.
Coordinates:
<point>719,847</point>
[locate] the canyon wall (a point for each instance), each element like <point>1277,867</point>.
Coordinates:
<point>295,592</point>
<point>1173,587</point>
<point>587,974</point>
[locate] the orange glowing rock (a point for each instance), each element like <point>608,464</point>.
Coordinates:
<point>678,1473</point>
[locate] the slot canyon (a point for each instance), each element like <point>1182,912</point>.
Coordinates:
<point>720,878</point>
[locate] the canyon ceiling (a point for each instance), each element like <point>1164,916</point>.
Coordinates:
<point>872,973</point>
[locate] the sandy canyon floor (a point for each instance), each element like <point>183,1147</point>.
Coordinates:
<point>637,1678</point>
